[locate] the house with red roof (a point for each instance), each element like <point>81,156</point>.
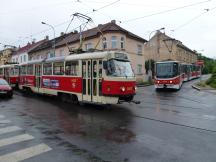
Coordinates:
<point>21,54</point>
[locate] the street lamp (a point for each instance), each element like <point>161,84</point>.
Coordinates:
<point>150,71</point>
<point>53,34</point>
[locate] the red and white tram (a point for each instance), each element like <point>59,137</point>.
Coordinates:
<point>168,75</point>
<point>10,72</point>
<point>186,70</point>
<point>98,77</point>
<point>196,71</point>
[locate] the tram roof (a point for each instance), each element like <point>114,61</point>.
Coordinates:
<point>8,65</point>
<point>169,61</point>
<point>91,55</point>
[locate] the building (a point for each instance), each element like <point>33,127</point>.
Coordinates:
<point>21,54</point>
<point>5,55</point>
<point>162,47</point>
<point>109,36</point>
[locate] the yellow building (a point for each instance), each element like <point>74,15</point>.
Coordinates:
<point>162,47</point>
<point>109,36</point>
<point>5,55</point>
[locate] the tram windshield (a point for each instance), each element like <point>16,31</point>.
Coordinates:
<point>167,70</point>
<point>119,68</point>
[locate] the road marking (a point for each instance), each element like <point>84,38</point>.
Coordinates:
<point>4,121</point>
<point>15,139</point>
<point>2,116</point>
<point>25,153</point>
<point>9,129</point>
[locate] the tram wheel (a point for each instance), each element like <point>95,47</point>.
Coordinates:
<point>64,97</point>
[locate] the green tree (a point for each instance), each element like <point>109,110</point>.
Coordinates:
<point>152,67</point>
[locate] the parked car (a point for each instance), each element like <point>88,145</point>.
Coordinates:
<point>5,88</point>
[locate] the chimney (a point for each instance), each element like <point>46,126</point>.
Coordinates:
<point>113,21</point>
<point>33,40</point>
<point>47,37</point>
<point>100,25</point>
<point>62,33</point>
<point>75,31</point>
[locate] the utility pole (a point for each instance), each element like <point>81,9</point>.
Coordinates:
<point>53,34</point>
<point>150,57</point>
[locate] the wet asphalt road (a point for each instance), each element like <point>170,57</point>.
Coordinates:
<point>168,126</point>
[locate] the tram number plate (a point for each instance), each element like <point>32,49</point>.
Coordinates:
<point>129,88</point>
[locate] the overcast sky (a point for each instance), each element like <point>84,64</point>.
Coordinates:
<point>190,21</point>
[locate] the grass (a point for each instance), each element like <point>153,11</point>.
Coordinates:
<point>212,81</point>
<point>208,84</point>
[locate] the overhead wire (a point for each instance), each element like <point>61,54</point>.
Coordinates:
<point>126,21</point>
<point>189,21</point>
<point>69,21</point>
<point>193,19</point>
<point>166,11</point>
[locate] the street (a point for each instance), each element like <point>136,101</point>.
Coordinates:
<point>168,126</point>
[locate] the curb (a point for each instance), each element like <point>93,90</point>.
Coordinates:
<point>195,87</point>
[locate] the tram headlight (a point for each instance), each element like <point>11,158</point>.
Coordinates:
<point>158,81</point>
<point>135,88</point>
<point>171,81</point>
<point>122,89</point>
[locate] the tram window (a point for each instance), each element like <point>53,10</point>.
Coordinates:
<point>58,68</point>
<point>84,69</point>
<point>94,87</point>
<point>175,69</point>
<point>94,69</point>
<point>11,71</point>
<point>16,70</point>
<point>1,71</point>
<point>30,69</point>
<point>100,68</point>
<point>47,69</point>
<point>89,69</point>
<point>84,86</point>
<point>100,87</point>
<point>23,70</point>
<point>89,83</point>
<point>71,68</point>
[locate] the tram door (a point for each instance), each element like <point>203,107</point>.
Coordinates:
<point>92,80</point>
<point>38,76</point>
<point>6,74</point>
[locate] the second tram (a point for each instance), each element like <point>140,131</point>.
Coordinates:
<point>168,75</point>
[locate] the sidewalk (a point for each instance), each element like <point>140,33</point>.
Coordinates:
<point>209,90</point>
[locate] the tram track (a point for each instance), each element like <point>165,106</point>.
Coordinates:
<point>186,107</point>
<point>176,124</point>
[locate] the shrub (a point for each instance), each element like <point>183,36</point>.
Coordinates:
<point>212,81</point>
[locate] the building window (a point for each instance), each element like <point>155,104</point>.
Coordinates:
<point>51,55</point>
<point>104,43</point>
<point>61,52</point>
<point>114,42</point>
<point>24,58</point>
<point>139,69</point>
<point>139,49</point>
<point>122,43</point>
<point>20,59</point>
<point>88,46</point>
